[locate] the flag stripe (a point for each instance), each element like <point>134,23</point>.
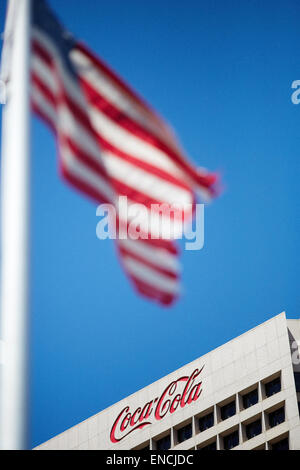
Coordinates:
<point>146,262</point>
<point>119,83</point>
<point>150,276</point>
<point>41,75</point>
<point>81,133</point>
<point>111,144</point>
<point>201,176</point>
<point>144,181</point>
<point>128,124</point>
<point>134,176</point>
<point>79,115</point>
<point>159,257</point>
<point>103,85</point>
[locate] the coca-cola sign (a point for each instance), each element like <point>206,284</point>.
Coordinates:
<point>177,394</point>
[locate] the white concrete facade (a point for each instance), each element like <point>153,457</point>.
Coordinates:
<point>263,361</point>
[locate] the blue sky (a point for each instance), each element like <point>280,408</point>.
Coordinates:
<point>221,74</point>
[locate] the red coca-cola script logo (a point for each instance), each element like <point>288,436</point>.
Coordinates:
<point>171,398</point>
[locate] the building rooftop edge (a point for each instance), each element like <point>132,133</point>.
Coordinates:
<point>282,314</point>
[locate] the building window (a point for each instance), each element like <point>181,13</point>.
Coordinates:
<point>253,429</point>
<point>206,422</point>
<point>184,433</point>
<point>297,381</point>
<point>230,441</point>
<point>211,446</point>
<point>164,443</point>
<point>144,446</point>
<point>250,398</point>
<point>228,410</point>
<point>281,445</point>
<point>276,417</point>
<point>272,387</point>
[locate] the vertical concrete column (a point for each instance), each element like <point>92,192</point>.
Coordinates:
<point>294,438</point>
<point>260,391</point>
<point>264,425</point>
<point>267,446</point>
<point>217,415</point>
<point>173,438</point>
<point>194,426</point>
<point>242,434</point>
<point>239,403</point>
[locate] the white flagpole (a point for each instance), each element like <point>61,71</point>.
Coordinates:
<point>15,234</point>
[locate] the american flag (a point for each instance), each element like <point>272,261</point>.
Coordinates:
<point>112,143</point>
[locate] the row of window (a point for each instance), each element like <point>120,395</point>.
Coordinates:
<point>248,399</point>
<point>252,429</point>
<point>232,440</point>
